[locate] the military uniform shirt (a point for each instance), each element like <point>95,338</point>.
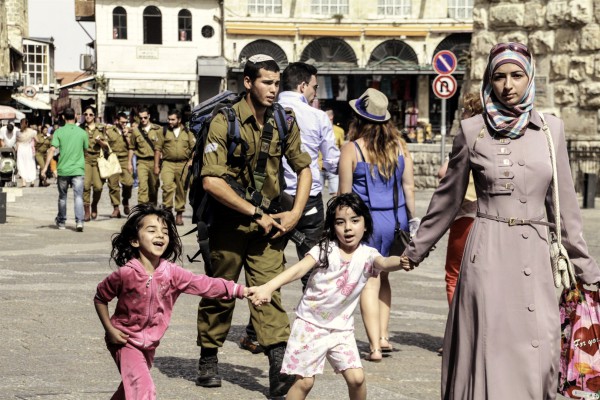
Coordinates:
<point>42,143</point>
<point>99,130</point>
<point>177,148</point>
<point>216,148</point>
<point>140,145</point>
<point>116,141</point>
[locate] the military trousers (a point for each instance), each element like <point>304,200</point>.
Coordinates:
<point>92,179</point>
<point>172,184</point>
<point>148,181</point>
<point>238,242</point>
<point>124,180</point>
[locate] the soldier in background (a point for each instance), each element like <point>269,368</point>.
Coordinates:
<point>144,143</point>
<point>42,144</point>
<point>97,141</point>
<point>118,139</point>
<point>176,151</point>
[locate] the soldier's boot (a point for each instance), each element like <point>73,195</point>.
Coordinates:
<point>95,201</point>
<point>279,383</point>
<point>208,372</point>
<point>179,218</point>
<point>86,212</point>
<point>126,209</point>
<point>116,212</point>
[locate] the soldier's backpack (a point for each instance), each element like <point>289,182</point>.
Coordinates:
<point>202,116</point>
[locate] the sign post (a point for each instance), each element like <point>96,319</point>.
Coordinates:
<point>444,87</point>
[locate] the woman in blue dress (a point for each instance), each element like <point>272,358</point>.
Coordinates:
<point>374,159</point>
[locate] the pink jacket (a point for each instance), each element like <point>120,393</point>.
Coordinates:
<point>145,302</point>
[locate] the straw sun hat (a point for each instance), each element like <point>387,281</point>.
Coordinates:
<point>371,105</point>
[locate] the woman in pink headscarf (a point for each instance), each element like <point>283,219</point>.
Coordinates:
<point>503,332</point>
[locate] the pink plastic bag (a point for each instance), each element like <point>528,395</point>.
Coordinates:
<point>579,373</point>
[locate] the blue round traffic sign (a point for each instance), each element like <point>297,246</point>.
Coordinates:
<point>444,62</point>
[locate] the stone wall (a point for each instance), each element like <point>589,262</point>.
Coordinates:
<point>4,49</point>
<point>564,37</point>
<point>18,26</point>
<point>427,161</point>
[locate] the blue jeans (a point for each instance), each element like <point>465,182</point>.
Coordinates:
<point>76,183</point>
<point>333,180</point>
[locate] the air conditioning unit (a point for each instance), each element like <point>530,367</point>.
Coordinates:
<point>85,62</point>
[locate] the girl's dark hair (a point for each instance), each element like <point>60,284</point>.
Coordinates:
<point>353,201</point>
<point>123,251</point>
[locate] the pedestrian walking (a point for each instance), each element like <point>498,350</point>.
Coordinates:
<point>117,137</point>
<point>176,150</point>
<point>25,146</point>
<point>146,285</point>
<point>375,160</point>
<point>144,143</point>
<point>93,183</point>
<point>72,142</point>
<point>503,332</point>
<point>246,233</point>
<point>324,326</point>
<point>331,179</point>
<point>43,141</point>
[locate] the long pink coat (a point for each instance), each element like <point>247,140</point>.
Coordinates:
<point>503,332</point>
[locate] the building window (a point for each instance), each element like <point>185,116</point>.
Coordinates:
<point>460,9</point>
<point>184,19</point>
<point>264,7</point>
<point>394,7</point>
<point>152,25</point>
<point>119,23</point>
<point>36,64</point>
<point>329,7</point>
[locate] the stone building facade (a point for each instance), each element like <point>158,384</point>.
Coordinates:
<point>564,37</point>
<point>14,26</point>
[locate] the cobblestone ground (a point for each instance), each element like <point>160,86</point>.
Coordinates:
<point>52,344</point>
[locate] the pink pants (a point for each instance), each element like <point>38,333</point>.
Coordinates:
<point>457,239</point>
<point>134,365</point>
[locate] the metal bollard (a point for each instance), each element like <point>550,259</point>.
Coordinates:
<point>2,207</point>
<point>589,190</point>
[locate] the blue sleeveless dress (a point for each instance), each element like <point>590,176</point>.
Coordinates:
<point>378,194</point>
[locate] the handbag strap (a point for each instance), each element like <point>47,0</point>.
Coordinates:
<point>555,201</point>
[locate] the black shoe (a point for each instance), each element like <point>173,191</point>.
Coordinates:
<point>279,383</point>
<point>208,372</point>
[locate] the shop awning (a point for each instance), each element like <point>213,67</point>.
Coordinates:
<point>32,103</point>
<point>212,66</point>
<point>144,95</point>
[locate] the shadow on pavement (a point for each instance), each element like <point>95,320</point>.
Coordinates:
<point>417,339</point>
<point>245,377</point>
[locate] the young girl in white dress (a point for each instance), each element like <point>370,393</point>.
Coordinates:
<point>324,327</point>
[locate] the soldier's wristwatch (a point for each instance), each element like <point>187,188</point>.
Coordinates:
<point>258,213</point>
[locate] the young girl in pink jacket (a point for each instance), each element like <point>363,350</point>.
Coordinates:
<point>147,284</point>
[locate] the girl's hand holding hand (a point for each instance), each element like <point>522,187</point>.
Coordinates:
<point>406,264</point>
<point>260,295</point>
<point>115,336</point>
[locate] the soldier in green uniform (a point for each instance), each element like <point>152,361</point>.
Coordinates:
<point>176,152</point>
<point>42,144</point>
<point>97,141</point>
<point>240,237</point>
<point>144,142</point>
<point>118,139</point>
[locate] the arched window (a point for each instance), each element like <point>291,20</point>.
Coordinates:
<point>184,21</point>
<point>328,51</point>
<point>152,25</point>
<point>119,23</point>
<point>262,46</point>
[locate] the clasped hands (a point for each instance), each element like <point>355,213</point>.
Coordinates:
<point>406,264</point>
<point>258,295</point>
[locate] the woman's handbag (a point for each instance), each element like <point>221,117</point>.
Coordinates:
<point>562,269</point>
<point>401,238</point>
<point>579,375</point>
<point>109,165</point>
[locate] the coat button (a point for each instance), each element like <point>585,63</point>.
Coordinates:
<point>506,173</point>
<point>527,271</point>
<point>525,235</point>
<point>531,307</point>
<point>535,343</point>
<point>523,199</point>
<point>521,162</point>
